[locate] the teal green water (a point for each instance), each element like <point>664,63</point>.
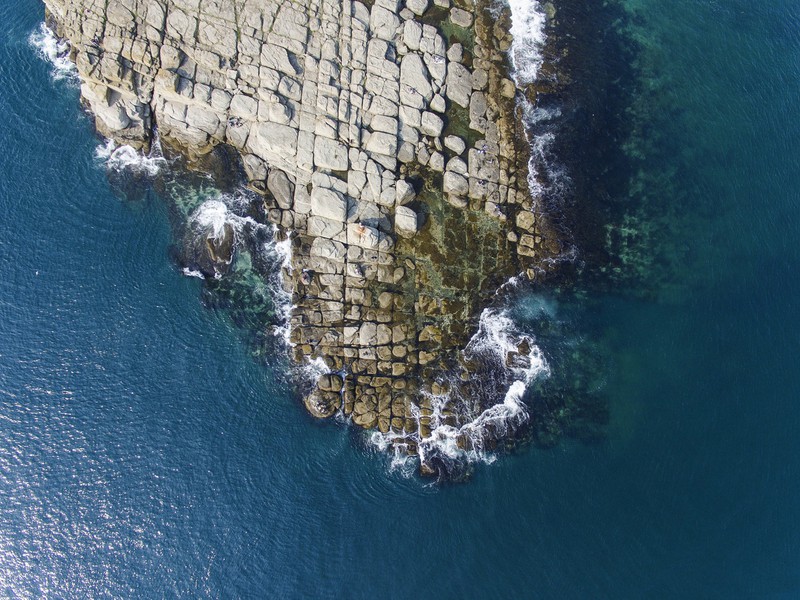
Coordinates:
<point>144,451</point>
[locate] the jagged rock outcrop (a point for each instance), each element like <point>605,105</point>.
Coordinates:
<point>383,138</point>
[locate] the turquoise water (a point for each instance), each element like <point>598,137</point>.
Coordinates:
<point>144,452</point>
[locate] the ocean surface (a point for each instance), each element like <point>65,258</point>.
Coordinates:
<point>149,448</point>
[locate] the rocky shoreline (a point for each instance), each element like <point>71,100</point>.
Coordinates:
<point>385,141</point>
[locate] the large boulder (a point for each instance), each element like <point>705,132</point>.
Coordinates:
<point>459,84</point>
<point>322,404</point>
<point>281,188</point>
<point>415,85</point>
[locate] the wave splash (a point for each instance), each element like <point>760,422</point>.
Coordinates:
<point>124,158</point>
<point>245,249</point>
<point>55,51</point>
<point>528,32</point>
<point>503,358</point>
<point>548,181</point>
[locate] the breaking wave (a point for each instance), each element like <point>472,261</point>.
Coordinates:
<point>528,31</point>
<point>282,250</point>
<point>55,51</point>
<point>548,180</point>
<point>507,362</point>
<point>227,214</point>
<point>124,158</point>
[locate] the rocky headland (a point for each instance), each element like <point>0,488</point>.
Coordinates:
<point>386,142</point>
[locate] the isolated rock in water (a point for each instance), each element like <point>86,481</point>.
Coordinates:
<point>220,247</point>
<point>323,404</point>
<point>210,252</point>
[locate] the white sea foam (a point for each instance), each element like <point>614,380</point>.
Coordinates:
<point>528,31</point>
<point>125,158</point>
<point>211,217</point>
<point>55,51</point>
<point>508,374</point>
<point>283,300</point>
<point>546,178</point>
<point>499,337</point>
<point>192,273</point>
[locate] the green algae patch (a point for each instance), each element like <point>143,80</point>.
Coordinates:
<point>460,257</point>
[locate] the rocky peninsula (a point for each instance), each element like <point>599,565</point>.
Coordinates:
<point>386,141</point>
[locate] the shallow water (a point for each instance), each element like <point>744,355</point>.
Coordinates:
<point>144,452</point>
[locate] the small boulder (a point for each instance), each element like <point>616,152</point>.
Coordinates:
<point>405,192</point>
<point>455,143</point>
<point>436,162</point>
<point>431,124</point>
<point>418,7</point>
<point>460,17</point>
<point>455,184</point>
<point>406,223</point>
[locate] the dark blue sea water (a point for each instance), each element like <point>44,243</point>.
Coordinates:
<point>144,452</point>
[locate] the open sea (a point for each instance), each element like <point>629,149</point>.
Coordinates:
<point>151,448</point>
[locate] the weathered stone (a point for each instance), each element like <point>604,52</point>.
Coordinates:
<point>405,221</point>
<point>244,107</point>
<point>460,17</point>
<point>328,249</point>
<point>477,106</point>
<point>418,7</point>
<point>431,124</point>
<point>404,192</point>
<point>455,53</point>
<point>459,84</point>
<point>438,103</point>
<point>436,161</point>
<point>525,220</point>
<point>457,165</point>
<point>383,23</point>
<point>323,404</point>
<point>330,154</point>
<point>415,87</point>
<point>329,204</point>
<point>455,143</point>
<point>455,184</point>
<point>382,143</point>
<point>272,140</point>
<point>281,188</point>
